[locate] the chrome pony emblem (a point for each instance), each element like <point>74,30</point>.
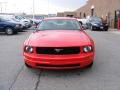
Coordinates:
<point>58,50</point>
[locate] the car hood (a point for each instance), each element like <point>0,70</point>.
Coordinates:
<point>58,38</point>
<point>11,21</point>
<point>25,20</point>
<point>96,22</point>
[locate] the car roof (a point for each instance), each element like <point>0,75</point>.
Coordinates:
<point>94,17</point>
<point>61,18</point>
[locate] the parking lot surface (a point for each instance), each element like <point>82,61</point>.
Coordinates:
<point>104,75</point>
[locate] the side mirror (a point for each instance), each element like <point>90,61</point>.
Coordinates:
<point>83,28</point>
<point>80,23</point>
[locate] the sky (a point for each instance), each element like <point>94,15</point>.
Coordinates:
<point>41,6</point>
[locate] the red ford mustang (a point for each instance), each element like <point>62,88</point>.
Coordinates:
<point>59,43</point>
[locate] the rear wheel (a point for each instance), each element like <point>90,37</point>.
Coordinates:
<point>9,31</point>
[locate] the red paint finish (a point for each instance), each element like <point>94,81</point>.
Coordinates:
<point>82,60</point>
<point>59,38</point>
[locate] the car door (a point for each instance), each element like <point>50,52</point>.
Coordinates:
<point>2,25</point>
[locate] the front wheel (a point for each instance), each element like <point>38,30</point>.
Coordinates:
<point>106,29</point>
<point>89,66</point>
<point>9,31</point>
<point>28,66</point>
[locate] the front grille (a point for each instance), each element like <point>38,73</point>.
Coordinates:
<point>58,50</point>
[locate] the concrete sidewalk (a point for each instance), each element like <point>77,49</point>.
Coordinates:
<point>113,29</point>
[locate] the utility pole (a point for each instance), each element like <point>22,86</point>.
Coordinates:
<point>1,9</point>
<point>48,7</point>
<point>33,10</point>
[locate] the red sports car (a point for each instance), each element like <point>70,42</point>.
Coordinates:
<point>59,43</point>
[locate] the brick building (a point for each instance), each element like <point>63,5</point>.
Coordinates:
<point>67,13</point>
<point>102,8</point>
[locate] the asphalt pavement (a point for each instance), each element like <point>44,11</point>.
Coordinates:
<point>104,75</point>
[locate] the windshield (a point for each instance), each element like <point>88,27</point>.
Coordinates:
<point>15,19</point>
<point>18,17</point>
<point>96,19</point>
<point>59,24</point>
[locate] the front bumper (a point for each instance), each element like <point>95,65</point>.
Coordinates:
<point>59,62</point>
<point>100,27</point>
<point>28,25</point>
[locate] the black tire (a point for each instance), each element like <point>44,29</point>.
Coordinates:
<point>15,32</point>
<point>105,29</point>
<point>89,66</point>
<point>9,31</point>
<point>20,30</point>
<point>28,66</point>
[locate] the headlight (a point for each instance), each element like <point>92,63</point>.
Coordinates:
<point>28,49</point>
<point>87,49</point>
